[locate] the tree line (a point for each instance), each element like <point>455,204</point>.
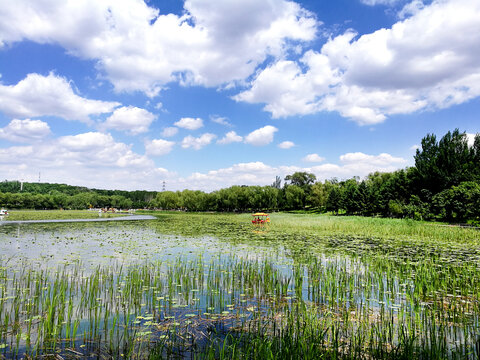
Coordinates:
<point>444,184</point>
<point>17,195</point>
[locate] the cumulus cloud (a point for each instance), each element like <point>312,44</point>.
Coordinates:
<point>259,173</point>
<point>89,159</point>
<point>39,95</point>
<point>382,159</point>
<point>367,78</point>
<point>159,147</point>
<point>229,138</point>
<point>25,130</point>
<point>358,164</point>
<point>313,158</point>
<point>285,90</point>
<point>286,145</point>
<point>197,143</point>
<point>262,136</point>
<point>131,119</point>
<point>97,160</point>
<point>252,173</point>
<point>170,131</point>
<point>211,43</point>
<point>411,9</point>
<point>189,123</point>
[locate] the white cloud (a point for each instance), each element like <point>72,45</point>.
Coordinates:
<point>286,145</point>
<point>25,130</point>
<point>358,164</point>
<point>96,160</point>
<point>169,131</point>
<point>197,143</point>
<point>39,95</point>
<point>470,139</point>
<point>411,9</point>
<point>398,70</point>
<point>229,138</point>
<point>90,141</point>
<point>262,136</point>
<point>90,159</point>
<point>414,147</point>
<point>220,120</point>
<point>284,89</point>
<point>252,173</point>
<point>259,173</point>
<point>159,147</point>
<point>313,158</point>
<point>131,119</point>
<point>211,43</point>
<point>378,2</point>
<point>189,123</point>
<point>381,159</point>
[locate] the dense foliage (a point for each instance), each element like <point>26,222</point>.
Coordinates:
<point>443,185</point>
<point>15,195</point>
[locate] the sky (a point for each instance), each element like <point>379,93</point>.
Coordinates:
<point>206,94</point>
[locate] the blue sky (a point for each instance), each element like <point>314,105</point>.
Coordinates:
<point>204,94</point>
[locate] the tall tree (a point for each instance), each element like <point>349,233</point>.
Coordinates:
<point>334,199</point>
<point>277,184</point>
<point>444,164</point>
<point>301,178</point>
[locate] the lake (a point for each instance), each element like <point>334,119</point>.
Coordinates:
<point>216,285</point>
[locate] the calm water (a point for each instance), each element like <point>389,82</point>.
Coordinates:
<point>48,244</point>
<point>78,252</point>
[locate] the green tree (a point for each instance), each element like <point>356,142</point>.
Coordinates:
<point>294,197</point>
<point>475,158</point>
<point>168,200</point>
<point>301,179</point>
<point>441,165</point>
<point>318,195</point>
<point>334,199</point>
<point>459,203</point>
<point>349,200</point>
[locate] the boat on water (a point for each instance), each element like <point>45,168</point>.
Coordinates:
<point>260,218</point>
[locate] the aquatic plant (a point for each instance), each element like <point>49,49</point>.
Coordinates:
<point>286,291</point>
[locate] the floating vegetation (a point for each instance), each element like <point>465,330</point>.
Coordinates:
<point>21,215</point>
<point>186,287</point>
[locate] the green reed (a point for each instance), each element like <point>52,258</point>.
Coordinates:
<point>339,307</point>
<point>335,298</point>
